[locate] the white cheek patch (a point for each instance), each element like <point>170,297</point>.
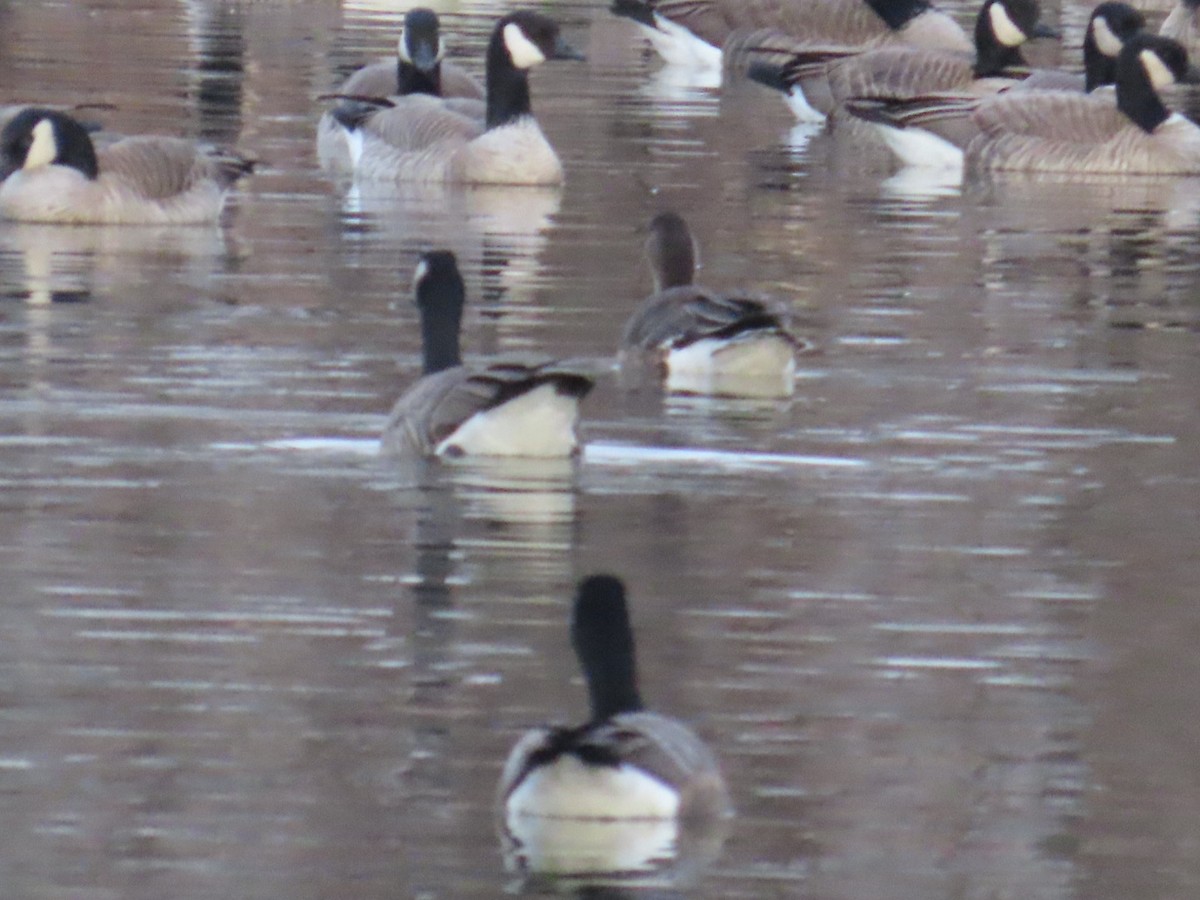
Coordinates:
<point>1107,42</point>
<point>1004,28</point>
<point>44,149</point>
<point>1156,70</point>
<point>402,48</point>
<point>524,53</point>
<point>419,273</point>
<point>441,48</point>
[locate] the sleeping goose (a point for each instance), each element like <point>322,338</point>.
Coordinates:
<point>418,68</point>
<point>507,406</point>
<point>625,764</point>
<point>694,32</point>
<point>53,173</point>
<point>1055,131</point>
<point>701,341</point>
<point>422,138</point>
<point>817,79</point>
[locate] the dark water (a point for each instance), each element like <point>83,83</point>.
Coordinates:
<point>937,614</point>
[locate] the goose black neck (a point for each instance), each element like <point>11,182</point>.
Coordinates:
<point>1098,67</point>
<point>441,304</point>
<point>1136,96</point>
<point>411,80</point>
<point>507,86</point>
<point>603,642</point>
<point>991,56</point>
<point>897,13</point>
<point>671,251</point>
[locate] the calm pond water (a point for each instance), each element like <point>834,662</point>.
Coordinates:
<point>937,614</point>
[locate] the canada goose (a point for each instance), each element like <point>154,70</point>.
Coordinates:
<point>421,138</point>
<point>703,342</point>
<point>625,763</point>
<point>508,406</point>
<point>694,32</point>
<point>418,68</point>
<point>1183,24</point>
<point>53,173</point>
<point>1056,131</point>
<point>817,79</point>
<point>1109,26</point>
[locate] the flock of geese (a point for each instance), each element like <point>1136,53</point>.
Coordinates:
<point>897,71</point>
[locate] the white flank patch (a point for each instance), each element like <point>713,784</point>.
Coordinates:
<point>419,273</point>
<point>679,47</point>
<point>571,789</point>
<point>1156,70</point>
<point>402,46</point>
<point>748,366</point>
<point>523,52</point>
<point>800,106</point>
<point>587,847</point>
<point>1004,28</point>
<point>540,422</point>
<point>1106,42</point>
<point>918,147</point>
<point>43,150</point>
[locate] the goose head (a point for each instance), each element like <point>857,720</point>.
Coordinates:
<point>671,251</point>
<point>440,296</point>
<point>1146,65</point>
<point>1109,27</point>
<point>38,137</point>
<point>1001,27</point>
<point>528,39</point>
<point>603,641</point>
<point>420,43</point>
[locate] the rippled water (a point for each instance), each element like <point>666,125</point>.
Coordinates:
<point>937,614</point>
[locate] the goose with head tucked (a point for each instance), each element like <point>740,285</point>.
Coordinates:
<point>421,138</point>
<point>697,33</point>
<point>512,405</point>
<point>419,67</point>
<point>702,342</point>
<point>1055,131</point>
<point>625,763</point>
<point>54,173</point>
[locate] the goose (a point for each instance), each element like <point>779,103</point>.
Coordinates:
<point>694,32</point>
<point>1183,24</point>
<point>1109,26</point>
<point>53,173</point>
<point>1055,131</point>
<point>517,405</point>
<point>704,342</point>
<point>418,68</point>
<point>421,138</point>
<point>817,79</point>
<point>625,764</point>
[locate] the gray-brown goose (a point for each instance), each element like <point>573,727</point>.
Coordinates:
<point>700,341</point>
<point>418,68</point>
<point>1055,131</point>
<point>54,173</point>
<point>818,79</point>
<point>625,763</point>
<point>516,405</point>
<point>423,138</point>
<point>694,32</point>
